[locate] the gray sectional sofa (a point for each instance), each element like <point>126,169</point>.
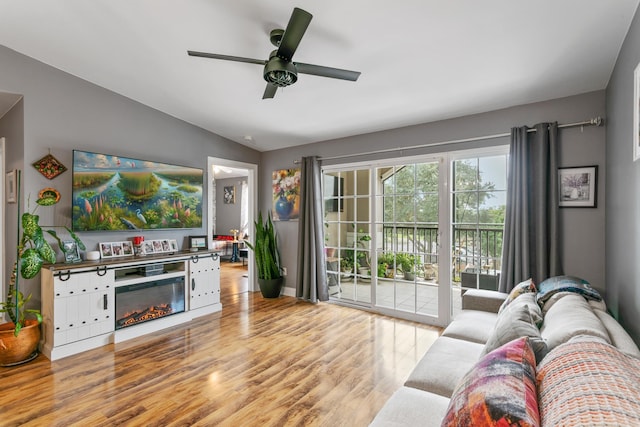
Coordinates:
<point>424,398</point>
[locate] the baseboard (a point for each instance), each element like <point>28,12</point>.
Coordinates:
<point>289,292</point>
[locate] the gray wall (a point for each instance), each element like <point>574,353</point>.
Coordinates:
<point>623,184</point>
<point>583,228</point>
<point>228,215</point>
<point>63,112</point>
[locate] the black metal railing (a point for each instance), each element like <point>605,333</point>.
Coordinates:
<point>476,250</point>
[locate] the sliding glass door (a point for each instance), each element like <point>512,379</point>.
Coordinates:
<point>404,237</point>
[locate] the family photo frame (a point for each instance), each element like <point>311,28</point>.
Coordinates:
<point>126,248</point>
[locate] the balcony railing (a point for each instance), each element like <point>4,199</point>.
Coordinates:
<point>476,250</point>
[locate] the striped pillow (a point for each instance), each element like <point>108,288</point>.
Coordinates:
<point>586,382</point>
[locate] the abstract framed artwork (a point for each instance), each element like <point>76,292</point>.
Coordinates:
<point>577,187</point>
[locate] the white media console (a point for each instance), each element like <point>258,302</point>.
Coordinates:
<point>94,303</point>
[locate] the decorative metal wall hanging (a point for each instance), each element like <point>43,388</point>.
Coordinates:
<point>49,166</point>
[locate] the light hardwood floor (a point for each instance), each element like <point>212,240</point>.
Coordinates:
<point>258,362</point>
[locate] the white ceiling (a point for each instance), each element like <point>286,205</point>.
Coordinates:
<point>421,60</point>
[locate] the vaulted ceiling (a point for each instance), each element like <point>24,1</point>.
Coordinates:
<point>421,60</point>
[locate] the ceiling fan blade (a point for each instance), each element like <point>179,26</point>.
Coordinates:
<point>296,28</point>
<point>226,57</point>
<point>270,91</point>
<point>334,73</point>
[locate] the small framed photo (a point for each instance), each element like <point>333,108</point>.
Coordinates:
<point>147,247</point>
<point>70,250</point>
<point>636,113</point>
<point>105,250</point>
<point>197,242</point>
<point>578,187</point>
<point>116,248</point>
<point>11,186</point>
<point>174,245</point>
<point>157,246</point>
<point>229,195</point>
<point>127,248</point>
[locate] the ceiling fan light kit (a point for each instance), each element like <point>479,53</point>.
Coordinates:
<point>280,70</point>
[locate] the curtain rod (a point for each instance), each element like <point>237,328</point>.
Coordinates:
<point>596,121</point>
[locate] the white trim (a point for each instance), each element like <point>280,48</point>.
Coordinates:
<point>3,232</point>
<point>252,181</point>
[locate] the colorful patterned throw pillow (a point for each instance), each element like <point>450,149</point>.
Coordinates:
<point>519,289</point>
<point>586,382</point>
<point>556,284</point>
<point>500,390</point>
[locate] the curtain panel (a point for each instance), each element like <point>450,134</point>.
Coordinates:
<point>311,284</point>
<point>531,243</point>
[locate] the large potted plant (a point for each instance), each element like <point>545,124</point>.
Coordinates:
<point>20,336</point>
<point>265,248</point>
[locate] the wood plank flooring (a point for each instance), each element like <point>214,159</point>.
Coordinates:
<point>258,362</point>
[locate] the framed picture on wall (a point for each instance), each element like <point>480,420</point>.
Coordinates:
<point>636,113</point>
<point>229,195</point>
<point>11,186</point>
<point>578,187</point>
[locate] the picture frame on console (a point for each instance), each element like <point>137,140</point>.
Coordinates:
<point>197,243</point>
<point>577,187</point>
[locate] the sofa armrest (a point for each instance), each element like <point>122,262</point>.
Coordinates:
<point>483,300</point>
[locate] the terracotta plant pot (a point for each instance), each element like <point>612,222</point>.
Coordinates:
<point>271,288</point>
<point>15,350</point>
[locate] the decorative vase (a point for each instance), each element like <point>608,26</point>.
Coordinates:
<point>23,348</point>
<point>270,288</point>
<point>283,208</point>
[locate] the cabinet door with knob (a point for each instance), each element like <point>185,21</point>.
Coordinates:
<point>204,281</point>
<point>81,307</point>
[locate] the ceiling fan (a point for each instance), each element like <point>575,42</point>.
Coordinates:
<point>279,69</point>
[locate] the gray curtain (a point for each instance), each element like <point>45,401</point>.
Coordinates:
<point>531,243</point>
<point>312,276</point>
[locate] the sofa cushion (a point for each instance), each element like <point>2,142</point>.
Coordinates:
<point>521,288</point>
<point>471,325</point>
<point>515,322</point>
<point>482,300</point>
<point>412,407</point>
<point>528,299</point>
<point>566,284</point>
<point>446,362</point>
<point>499,390</point>
<point>619,337</point>
<point>587,382</point>
<point>570,316</point>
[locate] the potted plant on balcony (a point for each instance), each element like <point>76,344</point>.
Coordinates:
<point>267,257</point>
<point>408,263</point>
<point>20,336</point>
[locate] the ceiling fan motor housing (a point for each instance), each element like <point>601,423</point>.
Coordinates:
<point>280,72</point>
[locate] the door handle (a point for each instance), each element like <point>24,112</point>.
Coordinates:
<point>193,284</point>
<point>105,302</point>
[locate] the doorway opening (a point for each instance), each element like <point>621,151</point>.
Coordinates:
<point>232,207</point>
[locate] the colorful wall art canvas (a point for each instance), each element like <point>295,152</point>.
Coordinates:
<point>121,193</point>
<point>286,194</point>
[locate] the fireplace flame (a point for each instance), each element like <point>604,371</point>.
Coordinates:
<point>153,312</point>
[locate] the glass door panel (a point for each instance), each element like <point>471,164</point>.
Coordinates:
<point>408,202</point>
<point>347,237</point>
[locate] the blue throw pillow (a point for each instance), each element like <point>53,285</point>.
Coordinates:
<point>566,284</point>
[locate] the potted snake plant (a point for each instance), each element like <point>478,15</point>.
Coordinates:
<point>267,256</point>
